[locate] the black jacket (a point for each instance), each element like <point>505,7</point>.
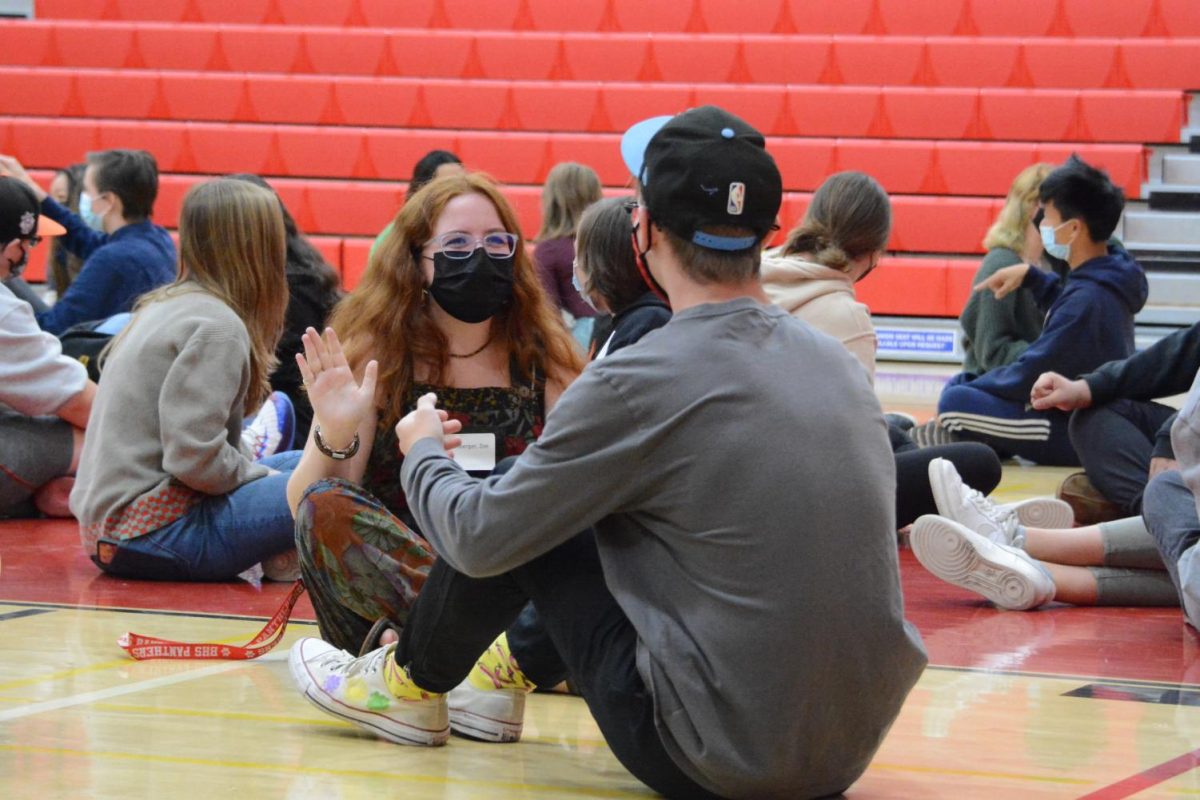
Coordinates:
<point>1165,368</point>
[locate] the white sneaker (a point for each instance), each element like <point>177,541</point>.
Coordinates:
<point>1042,512</point>
<point>959,502</point>
<point>272,429</point>
<point>1006,575</point>
<point>354,689</point>
<point>490,702</point>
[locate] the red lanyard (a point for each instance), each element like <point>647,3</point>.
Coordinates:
<point>144,648</point>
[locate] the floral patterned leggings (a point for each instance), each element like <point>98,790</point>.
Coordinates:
<point>360,562</point>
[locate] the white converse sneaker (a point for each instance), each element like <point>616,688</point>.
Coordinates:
<point>1042,512</point>
<point>1006,575</point>
<point>959,502</point>
<point>356,689</point>
<point>490,702</point>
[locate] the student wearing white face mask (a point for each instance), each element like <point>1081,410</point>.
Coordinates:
<point>1089,321</point>
<point>124,253</point>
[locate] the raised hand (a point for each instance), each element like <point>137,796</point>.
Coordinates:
<point>10,167</point>
<point>339,402</point>
<point>1052,390</point>
<point>1004,282</point>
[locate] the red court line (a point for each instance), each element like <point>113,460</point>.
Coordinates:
<point>1144,780</point>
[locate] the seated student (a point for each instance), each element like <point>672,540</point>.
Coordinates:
<point>450,303</point>
<point>1089,321</point>
<point>164,491</point>
<point>1123,438</point>
<point>839,242</point>
<point>45,397</point>
<point>313,290</point>
<point>974,546</point>
<point>605,274</point>
<point>569,189</point>
<point>1171,508</point>
<point>128,256</point>
<point>997,331</point>
<point>702,612</point>
<point>434,164</point>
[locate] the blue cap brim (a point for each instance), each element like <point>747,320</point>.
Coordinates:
<point>635,140</point>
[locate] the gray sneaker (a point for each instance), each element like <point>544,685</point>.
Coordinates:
<point>1005,575</point>
<point>931,434</point>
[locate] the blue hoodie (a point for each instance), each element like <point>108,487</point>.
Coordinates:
<point>117,268</point>
<point>1089,322</point>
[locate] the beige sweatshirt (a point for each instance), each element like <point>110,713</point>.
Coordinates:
<point>165,429</point>
<point>824,298</point>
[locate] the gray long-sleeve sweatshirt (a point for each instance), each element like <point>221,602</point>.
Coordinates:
<point>736,468</point>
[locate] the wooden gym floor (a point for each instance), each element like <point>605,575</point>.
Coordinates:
<point>1057,703</point>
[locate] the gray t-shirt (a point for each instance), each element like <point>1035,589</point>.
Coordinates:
<point>736,466</point>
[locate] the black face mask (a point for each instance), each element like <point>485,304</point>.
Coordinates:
<point>472,289</point>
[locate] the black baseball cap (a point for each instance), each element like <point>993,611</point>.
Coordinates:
<point>20,216</point>
<point>705,168</point>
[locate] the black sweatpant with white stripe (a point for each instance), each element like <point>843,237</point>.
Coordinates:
<point>1010,427</point>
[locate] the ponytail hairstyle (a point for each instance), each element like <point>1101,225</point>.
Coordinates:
<point>849,216</point>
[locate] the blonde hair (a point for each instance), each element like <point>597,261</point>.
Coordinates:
<point>387,315</point>
<point>232,244</point>
<point>1008,230</point>
<point>570,188</point>
<point>848,217</point>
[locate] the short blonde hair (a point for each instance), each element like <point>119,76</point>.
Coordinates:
<point>1008,231</point>
<point>569,189</point>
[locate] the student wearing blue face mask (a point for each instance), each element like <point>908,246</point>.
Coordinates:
<point>1089,321</point>
<point>124,253</point>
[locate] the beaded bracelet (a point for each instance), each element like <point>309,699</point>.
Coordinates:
<point>326,450</point>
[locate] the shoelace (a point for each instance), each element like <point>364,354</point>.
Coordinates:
<point>364,665</point>
<point>1005,518</point>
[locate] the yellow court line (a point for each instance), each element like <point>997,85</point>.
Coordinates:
<point>293,769</point>
<point>105,665</point>
<point>247,716</point>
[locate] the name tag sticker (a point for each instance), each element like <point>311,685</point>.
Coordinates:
<point>477,453</point>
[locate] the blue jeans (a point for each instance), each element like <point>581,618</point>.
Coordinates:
<point>220,537</point>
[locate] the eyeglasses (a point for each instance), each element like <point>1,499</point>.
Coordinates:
<point>459,246</point>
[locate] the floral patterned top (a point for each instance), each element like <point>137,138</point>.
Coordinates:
<point>515,415</point>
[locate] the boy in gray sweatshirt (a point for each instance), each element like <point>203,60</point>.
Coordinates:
<point>689,527</point>
<point>45,397</point>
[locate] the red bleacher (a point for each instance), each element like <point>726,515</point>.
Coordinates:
<point>333,100</point>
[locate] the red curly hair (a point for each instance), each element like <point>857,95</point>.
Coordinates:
<point>387,316</point>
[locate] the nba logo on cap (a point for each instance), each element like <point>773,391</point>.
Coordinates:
<point>737,198</point>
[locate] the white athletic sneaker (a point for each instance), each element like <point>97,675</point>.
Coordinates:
<point>490,702</point>
<point>1042,512</point>
<point>959,502</point>
<point>1006,575</point>
<point>272,429</point>
<point>355,689</point>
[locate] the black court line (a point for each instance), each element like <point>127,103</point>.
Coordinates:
<point>206,615</point>
<point>28,612</point>
<point>1157,695</point>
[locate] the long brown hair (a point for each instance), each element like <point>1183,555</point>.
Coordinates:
<point>232,245</point>
<point>849,216</point>
<point>569,189</point>
<point>387,315</point>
